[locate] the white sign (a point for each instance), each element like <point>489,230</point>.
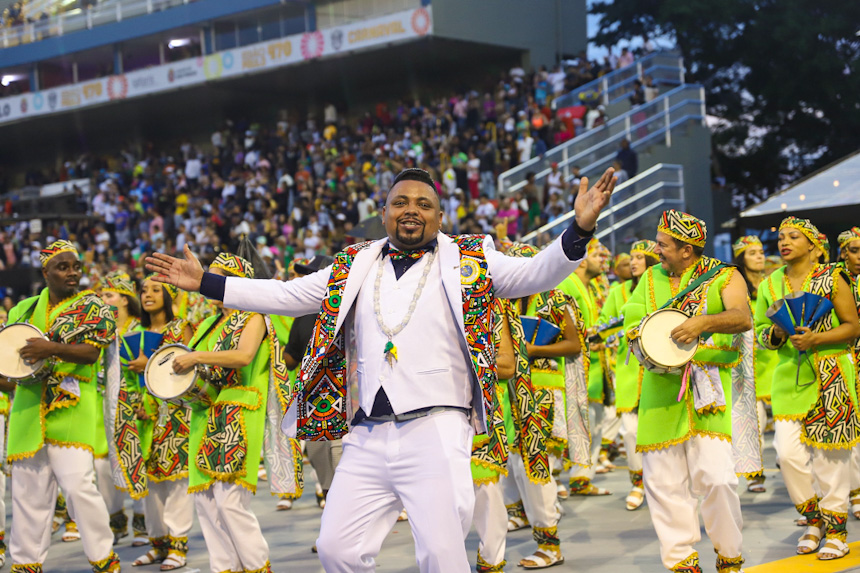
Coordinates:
<point>249,59</point>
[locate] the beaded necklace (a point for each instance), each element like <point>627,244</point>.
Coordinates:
<point>390,351</point>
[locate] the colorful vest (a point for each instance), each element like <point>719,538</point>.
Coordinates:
<point>824,396</point>
<point>322,395</point>
<point>64,413</point>
<point>226,439</point>
<point>663,420</point>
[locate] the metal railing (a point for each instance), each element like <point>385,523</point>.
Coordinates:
<point>80,19</point>
<point>633,211</point>
<point>666,68</point>
<point>596,149</point>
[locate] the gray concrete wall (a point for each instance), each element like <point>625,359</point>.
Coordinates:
<point>543,28</point>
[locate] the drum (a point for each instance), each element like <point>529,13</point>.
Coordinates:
<point>653,345</point>
<point>190,389</point>
<point>12,339</point>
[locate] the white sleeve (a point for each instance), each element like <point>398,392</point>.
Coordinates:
<point>297,297</point>
<point>516,277</point>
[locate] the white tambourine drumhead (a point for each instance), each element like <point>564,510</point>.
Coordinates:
<point>161,381</point>
<point>12,339</point>
<point>656,340</point>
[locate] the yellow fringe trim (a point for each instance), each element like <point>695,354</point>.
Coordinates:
<point>485,481</point>
<point>175,477</point>
<point>490,466</point>
<point>262,569</point>
<point>689,435</point>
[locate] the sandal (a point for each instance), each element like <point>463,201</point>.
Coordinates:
<point>515,523</point>
<point>833,549</point>
<point>562,491</point>
<point>261,474</point>
<point>71,534</point>
<point>800,522</point>
<point>756,486</point>
<point>541,559</point>
<point>140,541</point>
<point>402,516</point>
<point>809,541</point>
<point>150,557</point>
<point>635,498</point>
<point>592,490</point>
<point>284,505</point>
<point>173,561</point>
<point>855,506</point>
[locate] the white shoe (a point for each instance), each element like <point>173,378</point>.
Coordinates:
<point>284,505</point>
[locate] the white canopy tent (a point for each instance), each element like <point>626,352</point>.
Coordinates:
<point>831,195</point>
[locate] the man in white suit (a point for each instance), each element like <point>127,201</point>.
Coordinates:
<point>410,316</point>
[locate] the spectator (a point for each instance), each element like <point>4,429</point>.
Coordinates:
<point>628,159</point>
<point>651,90</point>
<point>626,58</point>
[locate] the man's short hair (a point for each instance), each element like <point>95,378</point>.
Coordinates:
<point>414,174</point>
<point>697,250</point>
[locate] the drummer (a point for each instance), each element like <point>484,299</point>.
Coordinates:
<point>814,394</point>
<point>63,404</point>
<point>628,371</point>
<point>168,508</point>
<point>227,437</point>
<point>686,444</point>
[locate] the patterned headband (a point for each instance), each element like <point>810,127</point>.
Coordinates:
<point>234,265</point>
<point>684,227</point>
<point>846,237</point>
<point>620,258</point>
<point>805,226</point>
<point>291,267</point>
<point>595,246</point>
<point>56,248</point>
<point>522,250</point>
<point>745,243</point>
<point>172,291</point>
<point>647,248</point>
<point>119,282</point>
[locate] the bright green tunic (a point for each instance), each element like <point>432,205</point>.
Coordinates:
<point>227,438</point>
<point>573,287</point>
<point>546,372</point>
<point>628,371</point>
<point>793,398</point>
<point>663,420</point>
<point>483,473</point>
<point>65,419</point>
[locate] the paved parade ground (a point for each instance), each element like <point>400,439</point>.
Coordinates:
<point>597,534</point>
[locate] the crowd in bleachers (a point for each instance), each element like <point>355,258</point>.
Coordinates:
<point>300,186</point>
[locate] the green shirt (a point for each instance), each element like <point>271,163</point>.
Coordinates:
<point>663,420</point>
<point>579,292</point>
<point>628,371</point>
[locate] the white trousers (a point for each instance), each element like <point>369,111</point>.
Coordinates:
<point>611,425</point>
<point>491,521</point>
<point>104,480</point>
<point>596,414</point>
<point>232,533</point>
<point>674,479</point>
<point>35,481</point>
<point>538,499</point>
<point>169,509</point>
<point>855,468</point>
<point>629,426</point>
<point>807,470</point>
<point>422,465</point>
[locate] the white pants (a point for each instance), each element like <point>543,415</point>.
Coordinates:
<point>491,522</point>
<point>538,499</point>
<point>629,426</point>
<point>231,531</point>
<point>104,480</point>
<point>611,424</point>
<point>422,465</point>
<point>169,509</point>
<point>674,478</point>
<point>596,414</point>
<point>35,482</point>
<point>807,470</point>
<point>855,470</point>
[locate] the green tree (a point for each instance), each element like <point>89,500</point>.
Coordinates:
<point>783,75</point>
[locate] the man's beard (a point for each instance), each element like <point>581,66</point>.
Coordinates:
<point>412,240</point>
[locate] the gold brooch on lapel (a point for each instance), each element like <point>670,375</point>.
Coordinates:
<point>469,272</point>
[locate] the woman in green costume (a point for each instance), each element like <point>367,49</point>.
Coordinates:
<point>227,437</point>
<point>849,252</point>
<point>814,394</point>
<point>748,255</point>
<point>628,370</point>
<point>120,293</point>
<point>164,427</point>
